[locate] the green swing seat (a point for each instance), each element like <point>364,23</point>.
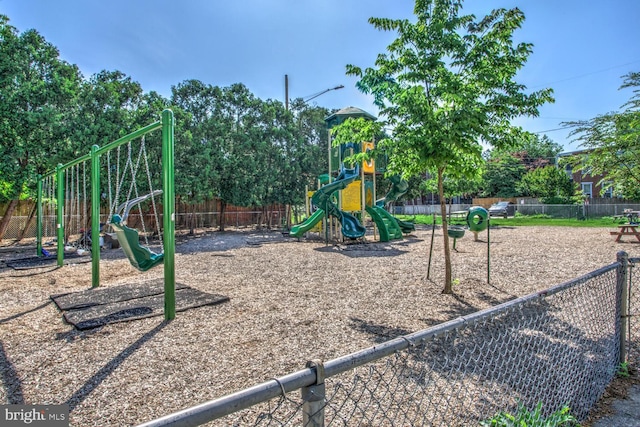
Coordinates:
<point>140,256</point>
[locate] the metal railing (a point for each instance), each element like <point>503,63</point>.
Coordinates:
<point>561,346</point>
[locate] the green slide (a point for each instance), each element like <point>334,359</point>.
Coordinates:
<point>405,226</point>
<point>351,227</point>
<point>391,227</point>
<point>386,223</point>
<point>299,229</point>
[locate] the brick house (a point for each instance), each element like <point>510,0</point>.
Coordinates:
<point>589,184</point>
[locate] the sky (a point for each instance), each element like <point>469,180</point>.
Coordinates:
<point>581,50</point>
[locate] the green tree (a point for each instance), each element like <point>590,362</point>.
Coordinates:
<point>446,84</point>
<point>198,164</point>
<point>284,147</point>
<point>550,184</point>
<point>37,98</point>
<point>240,150</point>
<point>313,159</point>
<point>232,141</point>
<point>502,175</point>
<point>541,148</point>
<point>310,157</point>
<point>106,110</point>
<point>612,142</point>
<point>461,187</point>
<point>533,151</point>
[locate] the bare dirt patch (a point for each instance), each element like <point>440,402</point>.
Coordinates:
<point>291,301</point>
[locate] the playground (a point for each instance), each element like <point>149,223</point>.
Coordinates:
<point>290,301</point>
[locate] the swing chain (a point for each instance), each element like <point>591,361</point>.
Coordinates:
<point>153,199</point>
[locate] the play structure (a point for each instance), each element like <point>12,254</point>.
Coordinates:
<point>351,227</point>
<point>343,202</point>
<point>79,197</point>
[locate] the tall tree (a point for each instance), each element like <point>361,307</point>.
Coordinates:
<point>239,149</point>
<point>313,159</point>
<point>106,110</point>
<point>551,184</point>
<point>197,168</point>
<point>37,97</point>
<point>445,85</point>
<point>501,176</point>
<point>533,151</point>
<point>226,144</point>
<point>612,143</point>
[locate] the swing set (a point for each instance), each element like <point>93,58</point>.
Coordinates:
<point>81,207</point>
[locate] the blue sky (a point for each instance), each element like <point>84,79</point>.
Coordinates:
<point>581,47</point>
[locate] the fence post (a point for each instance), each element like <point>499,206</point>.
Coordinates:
<point>622,284</point>
<point>313,397</point>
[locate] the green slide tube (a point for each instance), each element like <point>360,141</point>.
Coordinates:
<point>299,229</point>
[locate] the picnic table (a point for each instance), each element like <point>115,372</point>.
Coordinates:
<point>626,230</point>
<point>632,216</point>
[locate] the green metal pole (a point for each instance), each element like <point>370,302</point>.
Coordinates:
<point>39,218</point>
<point>489,249</point>
<point>168,210</point>
<point>95,217</point>
<point>60,213</point>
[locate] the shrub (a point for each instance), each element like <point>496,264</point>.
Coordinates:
<point>524,418</point>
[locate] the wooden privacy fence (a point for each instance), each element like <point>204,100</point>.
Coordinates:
<point>188,216</point>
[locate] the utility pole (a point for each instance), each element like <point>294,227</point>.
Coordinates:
<point>286,92</point>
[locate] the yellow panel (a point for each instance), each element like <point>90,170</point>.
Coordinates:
<point>351,197</point>
<point>368,193</point>
<point>368,167</point>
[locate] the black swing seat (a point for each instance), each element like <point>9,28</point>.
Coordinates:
<point>140,257</point>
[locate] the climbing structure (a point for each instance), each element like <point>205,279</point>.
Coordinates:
<point>351,195</point>
<point>351,227</point>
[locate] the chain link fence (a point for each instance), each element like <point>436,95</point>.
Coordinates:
<point>557,347</point>
<point>595,210</point>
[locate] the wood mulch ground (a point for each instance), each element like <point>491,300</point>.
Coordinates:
<point>290,301</point>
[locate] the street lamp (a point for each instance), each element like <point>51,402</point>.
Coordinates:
<point>323,92</point>
<point>286,92</point>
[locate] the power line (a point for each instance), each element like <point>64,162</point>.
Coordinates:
<point>586,74</point>
<point>553,130</point>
